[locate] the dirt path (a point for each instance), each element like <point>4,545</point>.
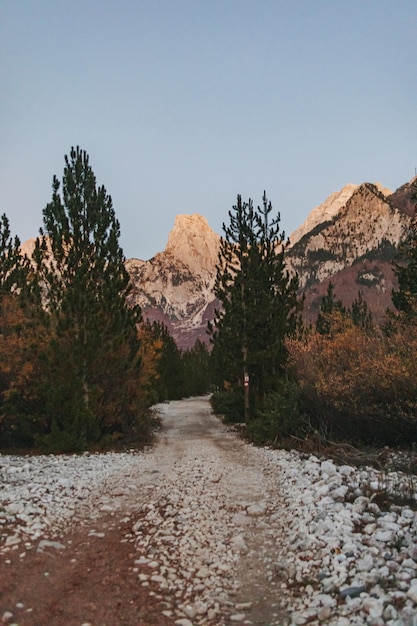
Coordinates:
<point>193,541</point>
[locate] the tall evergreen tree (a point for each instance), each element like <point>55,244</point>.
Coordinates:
<point>196,369</point>
<point>361,315</point>
<point>19,336</point>
<point>93,353</point>
<point>259,304</point>
<point>170,382</point>
<point>330,309</point>
<point>14,267</point>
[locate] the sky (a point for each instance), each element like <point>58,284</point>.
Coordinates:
<point>184,104</point>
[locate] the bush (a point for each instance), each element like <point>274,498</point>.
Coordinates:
<point>359,387</point>
<point>229,404</point>
<point>280,417</point>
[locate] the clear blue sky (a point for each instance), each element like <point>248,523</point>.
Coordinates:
<point>183,104</point>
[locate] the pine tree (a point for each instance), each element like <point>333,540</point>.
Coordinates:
<point>361,315</point>
<point>169,384</point>
<point>14,267</point>
<point>196,369</point>
<point>331,313</point>
<point>259,304</point>
<point>92,356</point>
<point>20,335</point>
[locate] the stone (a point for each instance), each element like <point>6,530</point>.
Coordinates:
<point>385,536</point>
<point>328,467</point>
<point>352,592</point>
<point>256,510</point>
<point>374,607</point>
<point>360,504</point>
<point>238,544</point>
<point>365,563</point>
<point>412,593</point>
<point>45,543</point>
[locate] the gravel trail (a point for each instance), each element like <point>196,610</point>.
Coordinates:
<point>201,530</point>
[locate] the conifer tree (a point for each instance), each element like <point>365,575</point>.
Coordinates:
<point>196,369</point>
<point>169,384</point>
<point>331,312</point>
<point>92,356</point>
<point>259,304</point>
<point>14,267</point>
<point>361,315</point>
<point>19,337</point>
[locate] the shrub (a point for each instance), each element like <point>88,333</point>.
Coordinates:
<point>280,417</point>
<point>359,387</point>
<point>230,404</point>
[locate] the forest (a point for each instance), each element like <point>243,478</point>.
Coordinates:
<point>343,379</point>
<point>80,368</point>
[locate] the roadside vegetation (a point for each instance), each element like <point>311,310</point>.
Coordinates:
<point>342,382</point>
<point>79,367</point>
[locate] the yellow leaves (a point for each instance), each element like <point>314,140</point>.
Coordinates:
<point>150,352</point>
<point>353,369</point>
<point>17,338</point>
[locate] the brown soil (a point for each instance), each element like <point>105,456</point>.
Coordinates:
<point>91,581</point>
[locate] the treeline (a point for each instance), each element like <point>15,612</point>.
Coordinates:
<point>79,367</point>
<point>342,379</point>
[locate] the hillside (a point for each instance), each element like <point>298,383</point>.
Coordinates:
<point>349,239</point>
<point>176,286</point>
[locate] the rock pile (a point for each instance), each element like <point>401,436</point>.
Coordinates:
<point>43,495</point>
<point>230,534</point>
<point>344,560</point>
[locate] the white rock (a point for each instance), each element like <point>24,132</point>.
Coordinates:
<point>385,536</point>
<point>360,504</point>
<point>45,543</point>
<point>412,593</point>
<point>374,607</point>
<point>328,467</point>
<point>256,510</point>
<point>365,564</point>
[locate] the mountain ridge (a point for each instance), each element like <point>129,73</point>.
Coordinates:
<point>349,240</point>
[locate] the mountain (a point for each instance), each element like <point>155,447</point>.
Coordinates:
<point>176,286</point>
<point>353,248</point>
<point>349,240</point>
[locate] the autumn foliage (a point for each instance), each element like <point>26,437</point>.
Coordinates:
<point>358,386</point>
<point>79,367</point>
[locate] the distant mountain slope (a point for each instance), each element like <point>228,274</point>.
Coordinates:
<point>176,286</point>
<point>354,249</point>
<point>349,240</point>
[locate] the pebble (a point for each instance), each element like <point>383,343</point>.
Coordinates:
<point>329,551</point>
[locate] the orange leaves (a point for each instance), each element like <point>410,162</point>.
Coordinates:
<point>16,337</point>
<point>359,384</point>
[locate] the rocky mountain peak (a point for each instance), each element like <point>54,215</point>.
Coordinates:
<point>194,243</point>
<point>324,212</point>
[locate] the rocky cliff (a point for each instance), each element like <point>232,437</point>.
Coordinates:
<point>353,247</point>
<point>176,286</point>
<point>349,239</point>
